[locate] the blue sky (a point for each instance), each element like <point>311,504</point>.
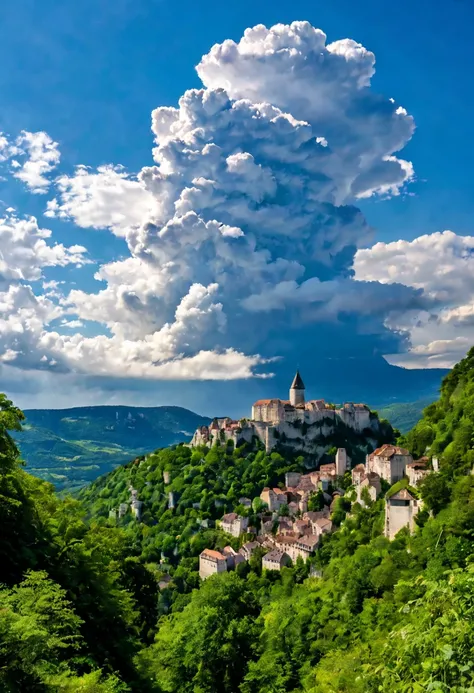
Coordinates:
<point>89,74</point>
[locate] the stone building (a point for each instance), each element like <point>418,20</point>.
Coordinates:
<point>371,482</point>
<point>275,560</point>
<point>234,524</point>
<point>400,511</point>
<point>276,420</point>
<point>342,462</point>
<point>274,498</point>
<point>211,563</point>
<point>389,462</point>
<point>417,470</point>
<point>248,549</point>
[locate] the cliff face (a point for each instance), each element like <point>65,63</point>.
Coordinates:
<point>313,440</point>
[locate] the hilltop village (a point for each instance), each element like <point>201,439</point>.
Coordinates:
<point>289,530</point>
<point>294,422</point>
<point>289,521</point>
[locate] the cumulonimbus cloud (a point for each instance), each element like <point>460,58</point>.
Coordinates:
<point>248,221</point>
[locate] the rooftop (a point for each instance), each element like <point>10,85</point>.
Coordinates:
<point>388,451</point>
<point>274,555</point>
<point>402,495</point>
<point>210,553</point>
<point>297,383</point>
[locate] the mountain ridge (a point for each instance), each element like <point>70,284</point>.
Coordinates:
<point>70,447</point>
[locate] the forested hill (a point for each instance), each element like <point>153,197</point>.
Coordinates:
<point>447,426</point>
<point>71,447</point>
<point>100,605</point>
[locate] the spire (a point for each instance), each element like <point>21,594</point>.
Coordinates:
<point>297,383</point>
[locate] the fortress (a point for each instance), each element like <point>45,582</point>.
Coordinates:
<point>294,422</point>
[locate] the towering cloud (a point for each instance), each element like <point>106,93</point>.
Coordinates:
<point>243,235</point>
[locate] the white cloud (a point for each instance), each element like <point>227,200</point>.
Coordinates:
<point>442,265</point>
<point>108,198</point>
<point>327,85</point>
<point>245,224</point>
<point>42,157</point>
<point>25,250</point>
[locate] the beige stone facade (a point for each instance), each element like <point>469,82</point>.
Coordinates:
<point>234,524</point>
<point>400,511</point>
<point>389,462</point>
<point>272,419</point>
<point>275,560</point>
<point>211,563</point>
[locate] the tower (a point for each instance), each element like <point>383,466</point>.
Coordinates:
<point>297,390</point>
<point>341,462</point>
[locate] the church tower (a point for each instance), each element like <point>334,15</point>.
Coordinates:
<point>297,390</point>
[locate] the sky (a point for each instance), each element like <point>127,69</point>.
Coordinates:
<point>196,198</point>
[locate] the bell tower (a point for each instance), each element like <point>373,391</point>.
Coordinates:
<point>297,390</point>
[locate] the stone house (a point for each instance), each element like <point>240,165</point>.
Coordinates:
<point>232,557</point>
<point>400,511</point>
<point>211,563</point>
<point>275,560</point>
<point>389,462</point>
<point>274,498</point>
<point>248,549</point>
<point>306,545</point>
<point>417,470</point>
<point>371,482</point>
<point>323,526</point>
<point>234,524</point>
<point>358,473</point>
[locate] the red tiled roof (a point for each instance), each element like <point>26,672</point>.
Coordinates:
<point>210,553</point>
<point>389,451</point>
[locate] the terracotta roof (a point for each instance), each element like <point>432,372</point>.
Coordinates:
<point>210,553</point>
<point>389,451</point>
<point>297,383</point>
<point>278,490</point>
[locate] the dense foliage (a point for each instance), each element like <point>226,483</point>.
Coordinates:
<point>81,608</point>
<point>405,415</point>
<point>447,426</point>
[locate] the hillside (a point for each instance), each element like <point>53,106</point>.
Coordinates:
<point>447,426</point>
<point>97,604</point>
<point>70,447</point>
<point>404,416</point>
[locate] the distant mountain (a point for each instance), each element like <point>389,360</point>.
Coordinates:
<point>405,415</point>
<point>70,447</point>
